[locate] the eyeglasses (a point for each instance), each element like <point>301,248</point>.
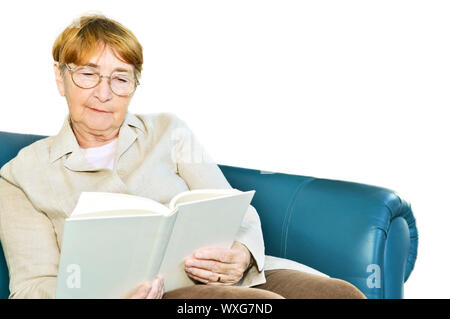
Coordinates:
<point>86,77</point>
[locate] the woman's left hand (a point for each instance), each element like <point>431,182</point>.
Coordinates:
<point>219,266</point>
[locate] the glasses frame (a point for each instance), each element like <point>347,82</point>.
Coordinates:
<point>100,77</point>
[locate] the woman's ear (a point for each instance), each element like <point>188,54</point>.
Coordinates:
<point>59,79</point>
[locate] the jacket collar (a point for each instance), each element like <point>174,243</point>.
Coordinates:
<point>66,143</point>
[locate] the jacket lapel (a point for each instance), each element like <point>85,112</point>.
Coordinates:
<point>65,143</point>
<point>127,136</point>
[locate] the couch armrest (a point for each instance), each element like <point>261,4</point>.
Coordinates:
<point>360,233</point>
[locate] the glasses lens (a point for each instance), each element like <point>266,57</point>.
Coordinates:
<point>85,77</point>
<point>122,84</point>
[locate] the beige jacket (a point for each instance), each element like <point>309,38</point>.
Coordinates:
<point>158,157</point>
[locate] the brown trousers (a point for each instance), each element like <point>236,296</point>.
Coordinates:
<point>280,284</point>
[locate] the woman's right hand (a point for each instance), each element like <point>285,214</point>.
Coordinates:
<point>150,290</point>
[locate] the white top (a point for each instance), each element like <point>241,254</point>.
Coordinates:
<point>101,156</point>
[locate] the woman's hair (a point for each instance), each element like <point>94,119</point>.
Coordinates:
<point>89,33</point>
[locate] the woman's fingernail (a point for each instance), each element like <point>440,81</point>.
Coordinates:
<point>199,255</point>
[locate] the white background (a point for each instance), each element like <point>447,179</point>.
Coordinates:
<point>349,90</point>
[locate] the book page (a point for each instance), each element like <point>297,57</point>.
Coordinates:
<point>92,204</point>
<point>210,222</point>
<point>200,194</point>
<point>111,256</point>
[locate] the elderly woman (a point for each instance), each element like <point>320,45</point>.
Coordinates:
<point>103,147</point>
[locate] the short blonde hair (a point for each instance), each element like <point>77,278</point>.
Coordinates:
<point>89,33</point>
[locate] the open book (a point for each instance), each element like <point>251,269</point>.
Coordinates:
<point>114,242</point>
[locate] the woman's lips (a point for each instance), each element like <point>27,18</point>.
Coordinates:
<point>97,110</point>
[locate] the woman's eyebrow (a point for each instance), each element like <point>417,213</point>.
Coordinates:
<point>119,69</point>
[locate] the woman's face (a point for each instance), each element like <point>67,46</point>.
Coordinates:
<point>96,111</point>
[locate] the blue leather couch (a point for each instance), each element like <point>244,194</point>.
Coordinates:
<point>360,233</point>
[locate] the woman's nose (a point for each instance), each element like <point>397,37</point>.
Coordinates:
<point>103,91</point>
